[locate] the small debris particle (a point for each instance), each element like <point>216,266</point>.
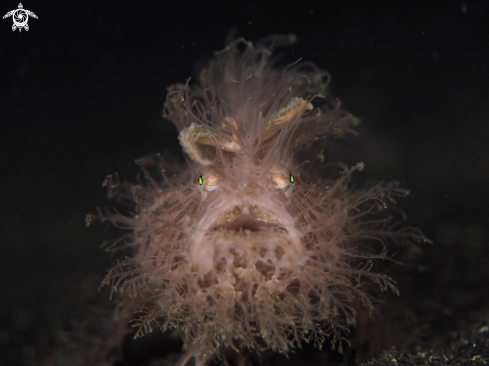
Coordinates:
<point>484,329</point>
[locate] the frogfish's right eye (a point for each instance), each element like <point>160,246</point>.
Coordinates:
<point>211,181</point>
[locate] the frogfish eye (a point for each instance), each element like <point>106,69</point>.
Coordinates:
<point>201,180</point>
<point>291,179</point>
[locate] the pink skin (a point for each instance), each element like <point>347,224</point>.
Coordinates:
<point>261,253</point>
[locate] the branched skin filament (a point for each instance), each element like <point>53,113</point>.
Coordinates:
<point>245,247</point>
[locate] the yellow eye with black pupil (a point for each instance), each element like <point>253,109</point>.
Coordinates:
<point>291,179</point>
<point>201,180</point>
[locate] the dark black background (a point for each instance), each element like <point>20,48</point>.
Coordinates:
<point>82,92</point>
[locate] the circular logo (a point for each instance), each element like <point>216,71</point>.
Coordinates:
<point>20,17</point>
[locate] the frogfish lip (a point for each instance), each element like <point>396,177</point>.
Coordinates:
<point>247,218</point>
<point>244,228</point>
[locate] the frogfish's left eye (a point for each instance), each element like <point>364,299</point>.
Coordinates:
<point>291,179</point>
<point>201,180</point>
